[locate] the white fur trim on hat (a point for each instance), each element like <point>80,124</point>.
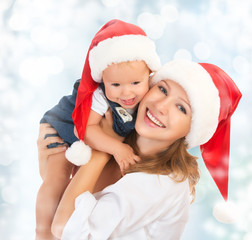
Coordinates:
<point>226,212</point>
<point>79,153</point>
<point>203,96</point>
<point>122,49</point>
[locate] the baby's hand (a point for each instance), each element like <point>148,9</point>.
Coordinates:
<point>124,156</point>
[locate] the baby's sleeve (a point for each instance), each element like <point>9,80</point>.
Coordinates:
<point>99,102</point>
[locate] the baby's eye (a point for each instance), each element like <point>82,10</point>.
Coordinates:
<point>115,84</point>
<point>135,83</point>
<point>163,90</point>
<point>182,109</point>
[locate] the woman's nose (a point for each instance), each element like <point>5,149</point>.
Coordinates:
<point>163,106</point>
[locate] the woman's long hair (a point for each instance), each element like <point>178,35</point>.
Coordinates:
<point>175,160</point>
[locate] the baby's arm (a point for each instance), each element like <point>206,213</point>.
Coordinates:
<point>96,138</point>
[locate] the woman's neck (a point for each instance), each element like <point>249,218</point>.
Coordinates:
<point>149,146</point>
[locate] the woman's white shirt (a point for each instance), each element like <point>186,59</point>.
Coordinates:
<point>139,206</point>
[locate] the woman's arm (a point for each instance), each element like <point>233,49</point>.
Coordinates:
<point>84,180</point>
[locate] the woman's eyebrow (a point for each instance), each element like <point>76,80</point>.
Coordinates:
<point>168,86</point>
<point>186,102</point>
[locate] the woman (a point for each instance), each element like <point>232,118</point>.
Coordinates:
<point>190,105</point>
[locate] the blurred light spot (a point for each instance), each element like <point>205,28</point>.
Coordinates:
<point>169,13</point>
<point>3,222</point>
<point>10,99</point>
<point>235,236</point>
<point>18,22</point>
<point>209,225</point>
<point>5,82</point>
<point>44,6</point>
<point>9,194</point>
<point>24,216</point>
<point>110,3</point>
<point>153,25</point>
<point>40,34</point>
<point>2,181</point>
<point>248,236</point>
<point>43,36</point>
<point>1,23</point>
<point>187,19</point>
<point>6,139</point>
<point>4,5</point>
<point>30,71</point>
<point>183,54</point>
<point>36,70</point>
<point>6,160</point>
<point>241,65</point>
<point>216,229</point>
<point>202,50</point>
<point>239,174</point>
<point>51,65</point>
<point>244,42</point>
<point>59,41</point>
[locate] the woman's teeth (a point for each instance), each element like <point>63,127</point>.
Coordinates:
<point>154,120</point>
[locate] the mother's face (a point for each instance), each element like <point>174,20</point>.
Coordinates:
<point>165,113</point>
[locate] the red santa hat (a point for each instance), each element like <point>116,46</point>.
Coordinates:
<point>213,98</point>
<point>115,42</point>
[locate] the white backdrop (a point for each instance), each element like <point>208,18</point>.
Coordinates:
<point>43,46</point>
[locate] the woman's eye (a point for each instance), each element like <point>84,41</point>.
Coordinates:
<point>163,90</point>
<point>182,109</point>
<point>115,84</point>
<point>135,83</point>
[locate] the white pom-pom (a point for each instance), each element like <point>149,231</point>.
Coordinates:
<point>79,153</point>
<point>225,212</point>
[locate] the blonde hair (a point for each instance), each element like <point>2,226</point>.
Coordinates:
<point>175,160</point>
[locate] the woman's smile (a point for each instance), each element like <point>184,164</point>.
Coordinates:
<point>152,120</point>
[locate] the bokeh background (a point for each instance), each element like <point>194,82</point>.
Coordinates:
<point>43,45</point>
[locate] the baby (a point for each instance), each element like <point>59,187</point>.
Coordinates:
<point>115,75</point>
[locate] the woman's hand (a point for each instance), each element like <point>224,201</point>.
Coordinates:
<point>42,142</point>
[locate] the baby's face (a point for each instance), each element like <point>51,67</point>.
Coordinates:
<point>126,83</point>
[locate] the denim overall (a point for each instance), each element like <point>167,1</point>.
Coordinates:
<point>60,118</point>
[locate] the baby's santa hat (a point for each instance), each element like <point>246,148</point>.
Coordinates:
<point>213,98</point>
<point>115,42</point>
